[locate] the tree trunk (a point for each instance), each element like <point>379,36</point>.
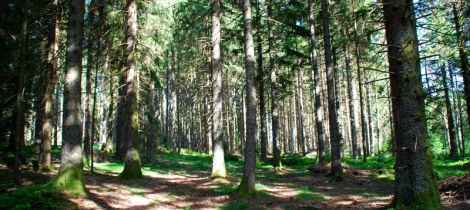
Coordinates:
<point>274,108</point>
<point>361,96</point>
<point>336,168</point>
<point>351,103</point>
<point>91,47</point>
<point>370,143</point>
<point>70,177</point>
<point>218,161</point>
<point>247,184</point>
<point>262,105</point>
<point>316,88</point>
<point>49,83</point>
<point>109,123</point>
<point>464,65</point>
<point>300,113</point>
<point>130,125</point>
<point>459,123</point>
<point>449,114</point>
<point>415,181</point>
<point>19,131</point>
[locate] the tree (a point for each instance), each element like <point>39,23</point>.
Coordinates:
<point>335,138</point>
<point>449,115</point>
<point>48,86</point>
<point>218,162</point>
<point>315,76</point>
<point>130,124</point>
<point>18,133</point>
<point>415,182</point>
<point>247,184</point>
<point>70,177</point>
<point>91,47</point>
<point>262,105</point>
<point>274,108</point>
<point>464,65</point>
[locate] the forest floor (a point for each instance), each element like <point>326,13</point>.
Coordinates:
<point>182,181</point>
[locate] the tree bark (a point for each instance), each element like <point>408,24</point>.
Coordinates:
<point>88,81</point>
<point>274,107</point>
<point>70,177</point>
<point>247,184</point>
<point>316,88</point>
<point>464,65</point>
<point>450,117</point>
<point>19,128</point>
<point>262,105</point>
<point>353,115</point>
<point>415,181</point>
<point>48,88</point>
<point>336,168</point>
<point>218,161</point>
<point>130,125</point>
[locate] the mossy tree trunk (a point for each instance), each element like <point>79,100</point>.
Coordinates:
<point>218,162</point>
<point>415,181</point>
<point>130,124</point>
<point>70,177</point>
<point>247,185</point>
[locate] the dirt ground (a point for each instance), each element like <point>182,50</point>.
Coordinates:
<point>196,190</point>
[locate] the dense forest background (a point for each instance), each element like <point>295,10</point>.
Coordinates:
<point>281,82</point>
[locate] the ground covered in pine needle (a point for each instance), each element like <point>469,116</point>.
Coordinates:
<point>182,181</point>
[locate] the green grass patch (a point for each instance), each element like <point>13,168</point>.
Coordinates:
<point>306,193</point>
<point>236,205</point>
<point>35,197</point>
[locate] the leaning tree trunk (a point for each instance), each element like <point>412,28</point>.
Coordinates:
<point>274,108</point>
<point>449,114</point>
<point>130,124</point>
<point>415,181</point>
<point>316,88</point>
<point>247,184</point>
<point>336,168</point>
<point>48,88</point>
<point>70,177</point>
<point>218,161</point>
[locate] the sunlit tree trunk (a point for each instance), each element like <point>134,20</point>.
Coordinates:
<point>274,107</point>
<point>316,87</point>
<point>247,184</point>
<point>130,125</point>
<point>415,181</point>
<point>70,177</point>
<point>218,161</point>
